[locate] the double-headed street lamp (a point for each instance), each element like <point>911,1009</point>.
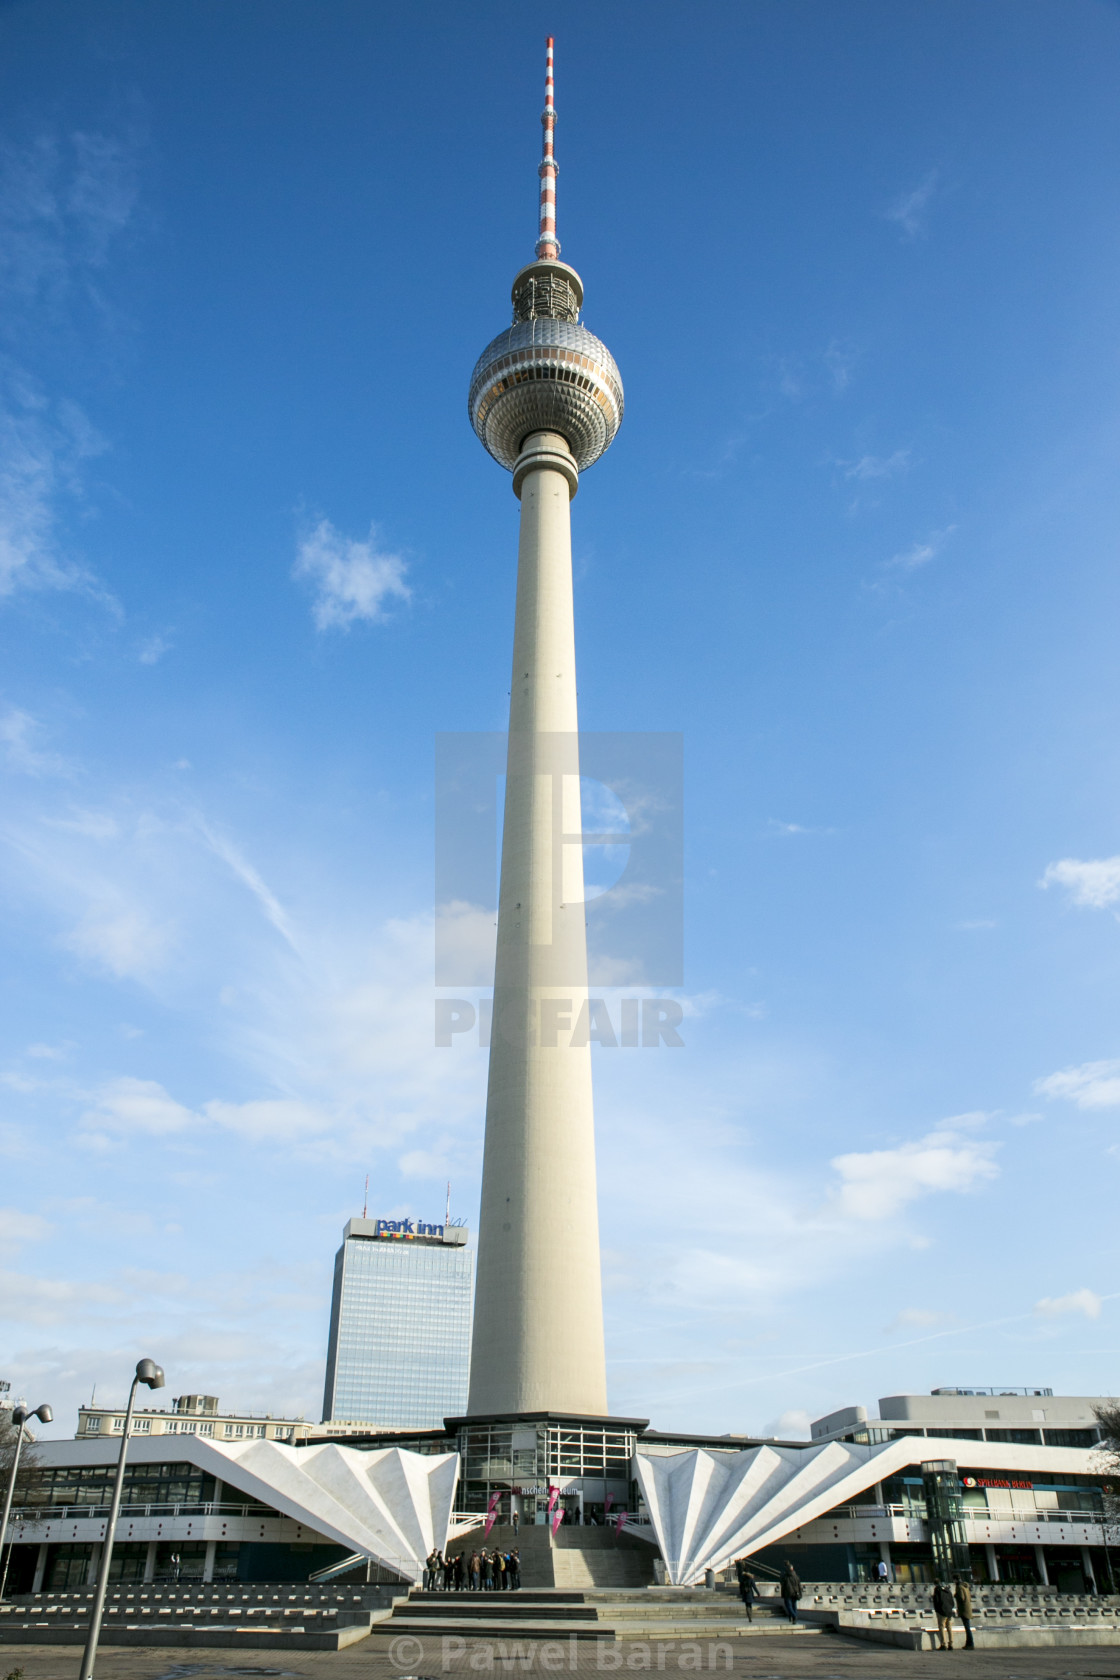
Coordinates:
<point>151,1375</point>
<point>19,1418</point>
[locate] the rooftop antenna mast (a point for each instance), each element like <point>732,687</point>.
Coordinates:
<point>365,1199</point>
<point>548,246</point>
<point>447,1218</point>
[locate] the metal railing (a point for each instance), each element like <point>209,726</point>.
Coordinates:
<point>209,1508</point>
<point>914,1512</point>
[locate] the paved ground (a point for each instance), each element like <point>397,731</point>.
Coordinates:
<point>820,1657</point>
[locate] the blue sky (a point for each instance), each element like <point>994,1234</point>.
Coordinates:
<point>857,541</point>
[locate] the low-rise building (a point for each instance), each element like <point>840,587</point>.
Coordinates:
<point>192,1414</point>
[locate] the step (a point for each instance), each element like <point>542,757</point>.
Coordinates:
<point>478,1628</point>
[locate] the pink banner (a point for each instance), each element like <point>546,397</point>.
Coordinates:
<point>553,1496</point>
<point>491,1514</point>
<point>608,1503</point>
<point>619,1523</point>
<point>558,1518</point>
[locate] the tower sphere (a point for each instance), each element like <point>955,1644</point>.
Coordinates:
<point>546,373</point>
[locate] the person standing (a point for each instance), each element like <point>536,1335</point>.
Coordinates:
<point>943,1606</point>
<point>883,1574</point>
<point>516,1523</point>
<point>487,1573</point>
<point>499,1571</point>
<point>962,1598</point>
<point>430,1570</point>
<point>474,1571</point>
<point>514,1571</point>
<point>790,1588</point>
<point>748,1586</point>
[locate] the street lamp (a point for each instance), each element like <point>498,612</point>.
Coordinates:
<point>151,1375</point>
<point>19,1418</point>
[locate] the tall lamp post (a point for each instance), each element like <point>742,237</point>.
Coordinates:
<point>19,1418</point>
<point>151,1375</point>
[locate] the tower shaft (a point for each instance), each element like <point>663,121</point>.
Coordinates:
<point>538,1322</point>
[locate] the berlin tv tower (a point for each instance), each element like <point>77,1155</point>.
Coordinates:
<point>546,401</point>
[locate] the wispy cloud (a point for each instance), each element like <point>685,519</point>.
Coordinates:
<point>909,210</point>
<point>246,873</point>
<point>920,554</point>
<point>1082,1301</point>
<point>840,360</point>
<point>64,202</point>
<point>352,580</point>
<point>1092,1085</point>
<point>877,466</point>
<point>1094,882</point>
<point>918,1318</point>
<point>152,649</point>
<point>18,734</point>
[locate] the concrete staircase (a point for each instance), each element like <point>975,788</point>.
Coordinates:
<point>669,1613</point>
<point>576,1558</point>
<point>297,1616</point>
<point>598,1557</point>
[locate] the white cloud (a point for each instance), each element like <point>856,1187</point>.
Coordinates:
<point>877,466</point>
<point>909,210</point>
<point>271,1120</point>
<point>17,1227</point>
<point>152,649</point>
<point>1080,1301</point>
<point>352,580</point>
<point>121,938</point>
<point>43,448</point>
<point>18,730</point>
<point>1093,881</point>
<point>920,553</point>
<point>245,872</point>
<point>794,1425</point>
<point>918,1318</point>
<point>878,1183</point>
<point>128,1105</point>
<point>1092,1085</point>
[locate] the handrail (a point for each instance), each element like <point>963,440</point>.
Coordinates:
<point>916,1512</point>
<point>207,1508</point>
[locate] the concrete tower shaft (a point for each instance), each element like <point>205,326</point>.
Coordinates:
<point>545,400</point>
<point>538,1324</point>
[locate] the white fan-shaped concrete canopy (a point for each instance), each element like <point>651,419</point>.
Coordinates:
<point>394,1506</point>
<point>707,1508</point>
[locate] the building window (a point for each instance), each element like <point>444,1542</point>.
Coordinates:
<point>118,1423</point>
<point>143,1426</point>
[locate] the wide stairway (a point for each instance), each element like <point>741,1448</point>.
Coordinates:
<point>302,1614</point>
<point>575,1559</point>
<point>598,1613</point>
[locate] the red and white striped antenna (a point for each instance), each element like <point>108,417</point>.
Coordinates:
<point>548,246</point>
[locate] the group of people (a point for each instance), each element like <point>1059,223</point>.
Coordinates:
<point>949,1601</point>
<point>480,1571</point>
<point>789,1587</point>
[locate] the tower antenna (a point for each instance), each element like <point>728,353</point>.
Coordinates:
<point>365,1199</point>
<point>548,246</point>
<point>447,1219</point>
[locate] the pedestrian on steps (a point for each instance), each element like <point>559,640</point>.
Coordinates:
<point>748,1586</point>
<point>790,1588</point>
<point>962,1598</point>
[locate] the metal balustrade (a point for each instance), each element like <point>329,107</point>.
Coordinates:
<point>32,1514</point>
